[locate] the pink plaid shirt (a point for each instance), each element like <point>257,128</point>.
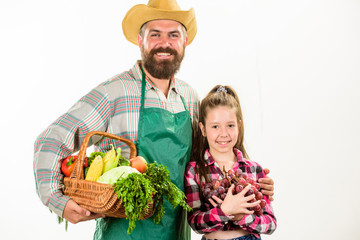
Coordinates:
<point>205,218</point>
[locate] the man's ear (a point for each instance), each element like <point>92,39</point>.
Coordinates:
<point>140,40</point>
<point>186,41</point>
<point>202,128</point>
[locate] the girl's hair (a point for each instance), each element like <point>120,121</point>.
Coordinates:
<point>218,96</point>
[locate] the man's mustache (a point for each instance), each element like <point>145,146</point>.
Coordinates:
<point>164,50</point>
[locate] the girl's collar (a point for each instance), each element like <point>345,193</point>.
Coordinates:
<point>210,160</point>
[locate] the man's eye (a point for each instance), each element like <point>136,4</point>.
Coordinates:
<point>155,35</point>
<point>174,35</point>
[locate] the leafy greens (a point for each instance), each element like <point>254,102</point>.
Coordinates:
<point>137,190</point>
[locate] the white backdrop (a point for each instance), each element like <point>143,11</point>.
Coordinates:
<point>295,65</point>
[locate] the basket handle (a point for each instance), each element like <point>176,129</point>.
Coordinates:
<point>78,171</point>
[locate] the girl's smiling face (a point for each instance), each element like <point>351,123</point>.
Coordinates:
<point>221,129</point>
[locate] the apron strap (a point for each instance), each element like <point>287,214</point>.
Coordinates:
<point>142,87</point>
<point>185,106</point>
<point>142,105</point>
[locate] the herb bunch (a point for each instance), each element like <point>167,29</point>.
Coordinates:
<point>138,190</point>
<point>135,192</point>
<point>159,176</point>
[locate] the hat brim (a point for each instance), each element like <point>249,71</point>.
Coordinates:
<point>140,14</point>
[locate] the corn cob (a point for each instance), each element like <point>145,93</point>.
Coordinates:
<point>110,160</point>
<point>118,156</point>
<point>96,169</point>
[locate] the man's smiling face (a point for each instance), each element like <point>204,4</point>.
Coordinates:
<point>162,46</point>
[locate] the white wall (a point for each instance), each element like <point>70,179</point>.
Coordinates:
<point>295,65</point>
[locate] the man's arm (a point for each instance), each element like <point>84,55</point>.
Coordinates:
<point>62,138</point>
<point>267,185</point>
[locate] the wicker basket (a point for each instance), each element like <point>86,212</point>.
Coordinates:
<point>93,196</point>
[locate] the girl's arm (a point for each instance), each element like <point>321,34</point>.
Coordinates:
<point>265,223</point>
<point>200,219</point>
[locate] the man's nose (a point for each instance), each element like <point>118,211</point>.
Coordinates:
<point>164,42</point>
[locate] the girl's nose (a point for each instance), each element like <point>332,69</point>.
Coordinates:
<point>223,132</point>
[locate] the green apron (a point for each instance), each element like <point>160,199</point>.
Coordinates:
<point>163,137</point>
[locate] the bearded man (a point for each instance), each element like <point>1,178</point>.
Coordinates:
<point>146,105</point>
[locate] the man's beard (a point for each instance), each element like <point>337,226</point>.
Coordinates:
<point>163,69</point>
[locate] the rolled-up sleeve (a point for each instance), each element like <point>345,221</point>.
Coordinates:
<point>63,138</point>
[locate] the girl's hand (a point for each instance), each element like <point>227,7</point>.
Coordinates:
<point>217,199</point>
<point>74,213</point>
<point>236,217</point>
<point>267,185</point>
<point>238,203</point>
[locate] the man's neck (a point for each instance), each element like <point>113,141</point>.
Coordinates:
<point>162,84</point>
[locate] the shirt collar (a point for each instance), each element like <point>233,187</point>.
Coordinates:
<point>210,160</point>
<point>136,70</point>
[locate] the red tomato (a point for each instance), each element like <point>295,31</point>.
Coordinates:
<point>86,163</point>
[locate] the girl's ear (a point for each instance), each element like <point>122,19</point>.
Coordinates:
<point>202,128</point>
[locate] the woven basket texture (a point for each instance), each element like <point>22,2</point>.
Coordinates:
<point>93,196</point>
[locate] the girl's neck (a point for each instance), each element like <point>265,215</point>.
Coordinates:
<point>226,160</point>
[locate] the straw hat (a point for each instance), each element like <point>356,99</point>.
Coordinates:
<point>155,10</point>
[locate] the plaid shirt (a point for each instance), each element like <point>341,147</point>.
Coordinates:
<point>112,107</point>
<point>205,218</point>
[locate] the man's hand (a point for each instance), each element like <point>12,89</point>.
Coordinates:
<point>267,185</point>
<point>75,214</point>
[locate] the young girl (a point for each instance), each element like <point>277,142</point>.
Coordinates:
<point>217,148</point>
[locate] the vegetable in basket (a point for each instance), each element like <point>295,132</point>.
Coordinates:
<point>110,159</point>
<point>159,176</point>
<point>91,158</point>
<point>139,163</point>
<point>96,169</point>
<point>137,190</point>
<point>111,176</point>
<point>68,164</point>
<point>122,161</point>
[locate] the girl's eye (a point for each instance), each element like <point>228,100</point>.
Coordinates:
<point>214,126</point>
<point>231,125</point>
